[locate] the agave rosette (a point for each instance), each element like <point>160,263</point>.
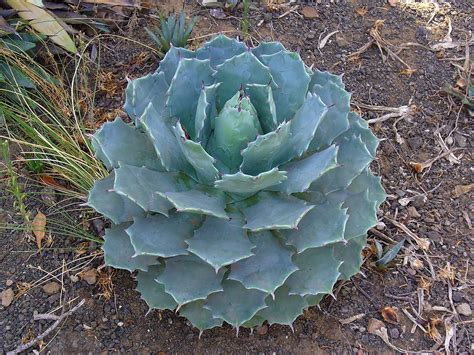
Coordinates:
<point>241,191</point>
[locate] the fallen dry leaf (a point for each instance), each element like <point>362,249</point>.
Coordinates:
<point>362,11</point>
<point>351,319</point>
<point>390,314</point>
<point>49,180</point>
<point>38,226</point>
<point>462,189</point>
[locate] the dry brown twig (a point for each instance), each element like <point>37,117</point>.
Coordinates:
<point>58,320</point>
<point>383,45</point>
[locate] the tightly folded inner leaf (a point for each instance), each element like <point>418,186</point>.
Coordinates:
<point>241,191</point>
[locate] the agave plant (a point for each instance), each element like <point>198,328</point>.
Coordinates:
<point>172,32</point>
<point>241,192</point>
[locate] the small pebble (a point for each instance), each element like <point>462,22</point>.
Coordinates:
<point>464,309</point>
<point>51,288</point>
<point>394,333</point>
<point>9,283</point>
<point>120,324</point>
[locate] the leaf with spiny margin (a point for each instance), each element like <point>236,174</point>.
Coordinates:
<point>241,183</point>
<point>140,92</point>
<point>162,236</point>
<point>291,82</point>
<point>322,77</point>
<point>188,278</point>
<point>368,181</point>
<point>204,201</point>
<point>164,141</point>
<point>170,62</point>
<point>220,242</point>
<point>361,210</point>
<point>238,71</point>
<point>261,97</point>
<point>290,140</point>
<point>201,161</point>
<point>314,300</point>
<point>116,207</point>
<point>268,210</point>
<point>352,158</point>
<point>267,48</point>
<point>235,304</point>
<point>199,316</point>
<point>219,49</point>
<point>152,292</point>
<point>268,268</point>
<point>318,272</point>
<point>284,309</point>
<point>185,89</point>
<point>350,254</point>
<point>361,127</point>
<point>335,121</point>
<point>119,252</point>
<point>139,185</point>
<point>119,141</point>
<point>301,173</point>
<point>321,226</point>
<point>256,321</point>
<point>205,113</point>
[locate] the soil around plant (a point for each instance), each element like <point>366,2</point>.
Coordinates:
<point>434,286</point>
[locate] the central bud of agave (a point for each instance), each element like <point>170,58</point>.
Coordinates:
<point>241,191</point>
<point>234,128</point>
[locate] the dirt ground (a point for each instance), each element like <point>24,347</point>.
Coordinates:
<point>435,287</point>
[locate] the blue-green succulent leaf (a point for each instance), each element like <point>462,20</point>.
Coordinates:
<point>116,207</point>
<point>255,321</point>
<point>219,49</point>
<point>284,308</point>
<point>140,92</point>
<point>199,201</point>
<point>164,141</point>
<point>119,252</point>
<point>170,62</point>
<point>314,300</point>
<point>361,127</point>
<point>335,121</point>
<point>361,210</point>
<point>235,304</point>
<point>199,316</point>
<point>205,113</point>
<point>368,181</point>
<point>318,272</point>
<point>268,268</point>
<point>118,141</point>
<point>139,185</point>
<point>220,242</point>
<point>322,77</point>
<point>268,210</point>
<point>321,226</point>
<point>350,254</point>
<point>185,89</point>
<point>301,173</point>
<point>201,161</point>
<point>291,82</point>
<point>352,158</point>
<point>261,97</point>
<point>290,140</point>
<point>188,278</point>
<point>152,292</point>
<point>241,183</point>
<point>162,236</point>
<point>267,48</point>
<point>238,71</point>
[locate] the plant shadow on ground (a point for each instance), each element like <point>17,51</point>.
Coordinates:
<point>426,203</point>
